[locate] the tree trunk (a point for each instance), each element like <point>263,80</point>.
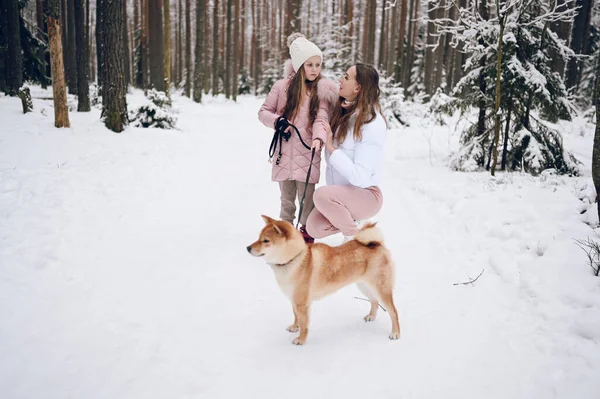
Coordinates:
<point>14,63</point>
<point>457,69</point>
<point>441,46</point>
<point>179,44</point>
<point>382,41</point>
<point>596,150</point>
<point>188,49</point>
<point>126,55</point>
<point>563,30</point>
<point>400,43</point>
<point>100,45</point>
<point>429,55</point>
<point>505,142</point>
<point>372,5</point>
<point>236,53</point>
<point>498,94</point>
<point>410,50</point>
<point>579,39</point>
<point>199,50</point>
<point>71,49</point>
<point>228,50</point>
<point>3,45</point>
<point>59,91</point>
<point>83,88</point>
<point>156,57</point>
<point>215,49</point>
<point>482,86</point>
<point>451,52</point>
<point>137,70</point>
<point>167,43</point>
<point>39,14</point>
<point>364,53</point>
<point>115,108</point>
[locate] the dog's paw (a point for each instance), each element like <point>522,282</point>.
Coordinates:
<point>368,318</point>
<point>395,335</point>
<point>293,328</point>
<point>298,341</point>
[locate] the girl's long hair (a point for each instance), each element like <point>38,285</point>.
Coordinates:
<point>297,89</point>
<point>366,104</point>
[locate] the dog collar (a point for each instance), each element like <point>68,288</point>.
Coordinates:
<point>290,261</point>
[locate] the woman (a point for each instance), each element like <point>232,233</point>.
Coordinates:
<point>354,155</point>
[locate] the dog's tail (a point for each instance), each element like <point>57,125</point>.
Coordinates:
<point>370,235</point>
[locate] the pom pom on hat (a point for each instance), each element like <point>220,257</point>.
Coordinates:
<point>293,37</point>
<point>301,49</point>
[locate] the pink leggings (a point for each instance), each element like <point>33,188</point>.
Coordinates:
<point>337,207</point>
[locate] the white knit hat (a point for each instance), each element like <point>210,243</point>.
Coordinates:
<point>301,49</point>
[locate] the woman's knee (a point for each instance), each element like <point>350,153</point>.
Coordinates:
<point>322,195</point>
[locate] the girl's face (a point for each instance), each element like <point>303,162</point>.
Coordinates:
<point>349,87</point>
<point>312,67</point>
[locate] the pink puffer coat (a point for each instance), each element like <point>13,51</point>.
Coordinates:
<point>295,158</point>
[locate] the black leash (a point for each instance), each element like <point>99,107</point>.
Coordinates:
<point>305,187</point>
<point>281,126</point>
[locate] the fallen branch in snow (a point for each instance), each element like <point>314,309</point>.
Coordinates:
<point>592,250</point>
<point>363,299</point>
<point>471,281</point>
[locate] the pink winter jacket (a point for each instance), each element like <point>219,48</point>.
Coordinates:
<point>295,158</point>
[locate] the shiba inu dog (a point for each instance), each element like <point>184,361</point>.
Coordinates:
<point>308,272</point>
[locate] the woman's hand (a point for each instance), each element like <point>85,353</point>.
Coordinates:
<point>316,144</point>
<point>329,144</point>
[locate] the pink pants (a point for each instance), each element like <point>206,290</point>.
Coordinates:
<point>337,207</point>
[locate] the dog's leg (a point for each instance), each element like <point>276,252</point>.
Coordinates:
<point>294,327</point>
<point>374,304</point>
<point>388,301</point>
<point>301,311</point>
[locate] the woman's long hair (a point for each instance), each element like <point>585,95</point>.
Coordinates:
<point>295,97</point>
<point>367,105</point>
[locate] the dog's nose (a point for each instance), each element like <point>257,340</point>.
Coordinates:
<point>249,248</point>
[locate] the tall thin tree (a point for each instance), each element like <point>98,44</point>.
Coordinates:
<point>14,67</point>
<point>71,49</point>
<point>115,107</point>
<point>596,150</point>
<point>167,42</point>
<point>215,49</point>
<point>199,51</point>
<point>59,90</point>
<point>229,50</point>
<point>83,89</point>
<point>188,48</point>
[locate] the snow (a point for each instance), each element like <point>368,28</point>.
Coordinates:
<point>124,271</point>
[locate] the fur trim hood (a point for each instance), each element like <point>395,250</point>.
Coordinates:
<point>326,89</point>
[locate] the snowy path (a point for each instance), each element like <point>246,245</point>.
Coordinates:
<point>124,274</point>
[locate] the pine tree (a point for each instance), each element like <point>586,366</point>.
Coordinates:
<point>530,91</point>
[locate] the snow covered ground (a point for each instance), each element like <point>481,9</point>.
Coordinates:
<point>124,271</point>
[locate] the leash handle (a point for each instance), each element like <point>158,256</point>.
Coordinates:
<point>312,157</point>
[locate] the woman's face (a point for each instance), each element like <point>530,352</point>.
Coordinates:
<point>348,85</point>
<point>312,67</point>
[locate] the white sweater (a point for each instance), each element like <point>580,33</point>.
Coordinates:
<point>358,163</point>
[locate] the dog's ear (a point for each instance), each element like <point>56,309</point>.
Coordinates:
<point>267,219</point>
<point>278,230</point>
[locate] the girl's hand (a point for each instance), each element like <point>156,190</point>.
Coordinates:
<point>316,144</point>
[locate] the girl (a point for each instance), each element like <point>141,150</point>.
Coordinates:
<point>354,154</point>
<point>305,99</point>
